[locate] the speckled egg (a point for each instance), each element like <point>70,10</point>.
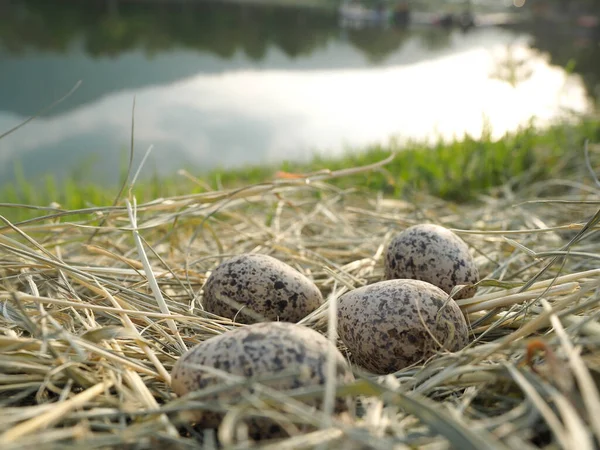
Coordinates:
<point>389,325</point>
<point>434,254</point>
<point>262,284</point>
<point>258,350</point>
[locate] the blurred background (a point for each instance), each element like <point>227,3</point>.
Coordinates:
<point>231,83</point>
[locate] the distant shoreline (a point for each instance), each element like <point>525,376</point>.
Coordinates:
<point>321,4</point>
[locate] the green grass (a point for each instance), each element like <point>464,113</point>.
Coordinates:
<point>456,171</point>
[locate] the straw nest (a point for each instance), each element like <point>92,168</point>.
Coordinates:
<point>96,311</point>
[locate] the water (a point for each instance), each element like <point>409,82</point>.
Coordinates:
<point>227,85</point>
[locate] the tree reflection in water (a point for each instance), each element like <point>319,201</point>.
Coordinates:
<point>111,27</point>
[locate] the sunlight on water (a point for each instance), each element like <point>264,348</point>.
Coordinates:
<point>258,116</point>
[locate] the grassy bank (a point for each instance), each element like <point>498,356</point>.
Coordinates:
<point>456,171</point>
<point>95,313</point>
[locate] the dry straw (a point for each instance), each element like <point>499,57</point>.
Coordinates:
<point>96,312</point>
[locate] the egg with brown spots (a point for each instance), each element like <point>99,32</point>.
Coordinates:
<point>252,287</point>
<point>297,353</point>
<point>393,324</point>
<point>434,254</point>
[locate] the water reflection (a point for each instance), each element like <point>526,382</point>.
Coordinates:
<point>239,93</point>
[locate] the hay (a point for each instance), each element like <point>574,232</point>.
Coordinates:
<point>95,312</point>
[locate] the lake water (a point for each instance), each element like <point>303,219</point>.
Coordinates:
<point>229,85</point>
